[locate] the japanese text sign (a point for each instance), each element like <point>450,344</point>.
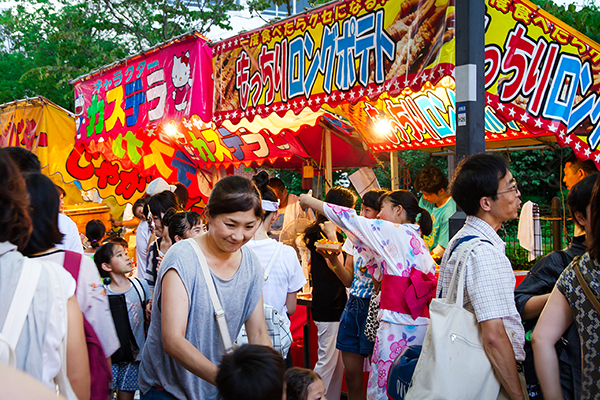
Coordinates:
<point>163,85</point>
<point>338,53</point>
<point>543,75</point>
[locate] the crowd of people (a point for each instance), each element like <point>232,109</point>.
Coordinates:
<point>199,317</point>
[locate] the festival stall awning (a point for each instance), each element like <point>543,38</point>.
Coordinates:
<point>48,131</point>
<point>389,65</point>
<point>344,52</point>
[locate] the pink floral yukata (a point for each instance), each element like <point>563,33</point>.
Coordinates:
<point>401,260</point>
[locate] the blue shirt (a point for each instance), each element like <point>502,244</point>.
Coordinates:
<point>362,284</point>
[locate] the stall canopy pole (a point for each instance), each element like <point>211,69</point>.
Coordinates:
<point>328,162</point>
<point>469,74</point>
<point>394,169</point>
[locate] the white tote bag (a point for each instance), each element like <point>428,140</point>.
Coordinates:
<point>453,364</point>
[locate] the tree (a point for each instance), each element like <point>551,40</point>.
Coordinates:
<point>47,44</point>
<point>155,21</point>
<point>586,20</point>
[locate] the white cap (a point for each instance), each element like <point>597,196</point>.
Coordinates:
<point>159,185</point>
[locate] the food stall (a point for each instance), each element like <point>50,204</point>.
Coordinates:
<point>387,67</point>
<point>47,130</point>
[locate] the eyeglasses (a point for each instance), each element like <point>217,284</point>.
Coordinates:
<point>514,188</point>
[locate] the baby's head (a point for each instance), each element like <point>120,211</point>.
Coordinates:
<point>112,259</point>
<point>304,384</point>
<point>252,372</point>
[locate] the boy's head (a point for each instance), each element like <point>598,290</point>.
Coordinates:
<point>432,182</point>
<point>252,372</point>
<point>112,259</point>
<point>575,170</point>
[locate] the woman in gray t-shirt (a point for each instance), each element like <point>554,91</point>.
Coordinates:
<point>184,344</point>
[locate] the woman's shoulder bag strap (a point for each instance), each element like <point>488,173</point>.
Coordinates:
<point>18,310</point>
<point>219,312</point>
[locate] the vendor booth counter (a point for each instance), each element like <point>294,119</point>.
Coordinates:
<point>85,212</point>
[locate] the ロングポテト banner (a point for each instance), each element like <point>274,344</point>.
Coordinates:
<point>341,52</point>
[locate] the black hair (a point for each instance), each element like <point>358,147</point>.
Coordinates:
<point>120,241</point>
<point>410,204</point>
<point>182,194</point>
<point>277,184</point>
<point>588,166</point>
<point>141,202</point>
<point>251,372</point>
<point>580,195</point>
<point>180,223</point>
<point>25,159</point>
<point>14,203</point>
<point>232,194</point>
<point>94,231</point>
<point>475,177</point>
<point>266,192</point>
<point>160,203</point>
<point>43,210</point>
<point>431,179</point>
<point>298,381</point>
<point>61,191</point>
<point>594,246</point>
<point>103,255</point>
<point>372,198</point>
<point>337,195</point>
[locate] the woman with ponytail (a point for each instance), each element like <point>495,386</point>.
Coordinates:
<point>396,256</point>
<point>94,231</point>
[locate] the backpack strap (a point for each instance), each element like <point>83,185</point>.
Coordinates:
<point>137,285</point>
<point>458,243</point>
<point>19,307</point>
<point>72,264</point>
<point>219,311</point>
<point>273,259</point>
<point>465,239</point>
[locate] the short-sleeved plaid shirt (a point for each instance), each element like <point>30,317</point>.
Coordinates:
<point>490,281</point>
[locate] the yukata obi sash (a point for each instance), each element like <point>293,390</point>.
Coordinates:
<point>408,295</point>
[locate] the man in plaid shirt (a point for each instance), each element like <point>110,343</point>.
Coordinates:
<point>484,188</point>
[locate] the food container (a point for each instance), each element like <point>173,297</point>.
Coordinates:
<point>328,246</point>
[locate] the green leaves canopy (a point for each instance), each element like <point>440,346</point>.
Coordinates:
<point>46,44</point>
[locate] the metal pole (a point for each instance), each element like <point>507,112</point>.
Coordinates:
<point>469,75</point>
<point>556,230</point>
<point>328,163</point>
<point>394,169</point>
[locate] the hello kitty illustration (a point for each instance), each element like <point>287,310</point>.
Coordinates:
<point>181,77</point>
<point>79,109</point>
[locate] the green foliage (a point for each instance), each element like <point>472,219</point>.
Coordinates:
<point>586,20</point>
<point>538,173</point>
<point>47,44</point>
<point>258,6</point>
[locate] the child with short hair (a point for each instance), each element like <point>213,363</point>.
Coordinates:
<point>127,298</point>
<point>251,372</point>
<point>304,384</point>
